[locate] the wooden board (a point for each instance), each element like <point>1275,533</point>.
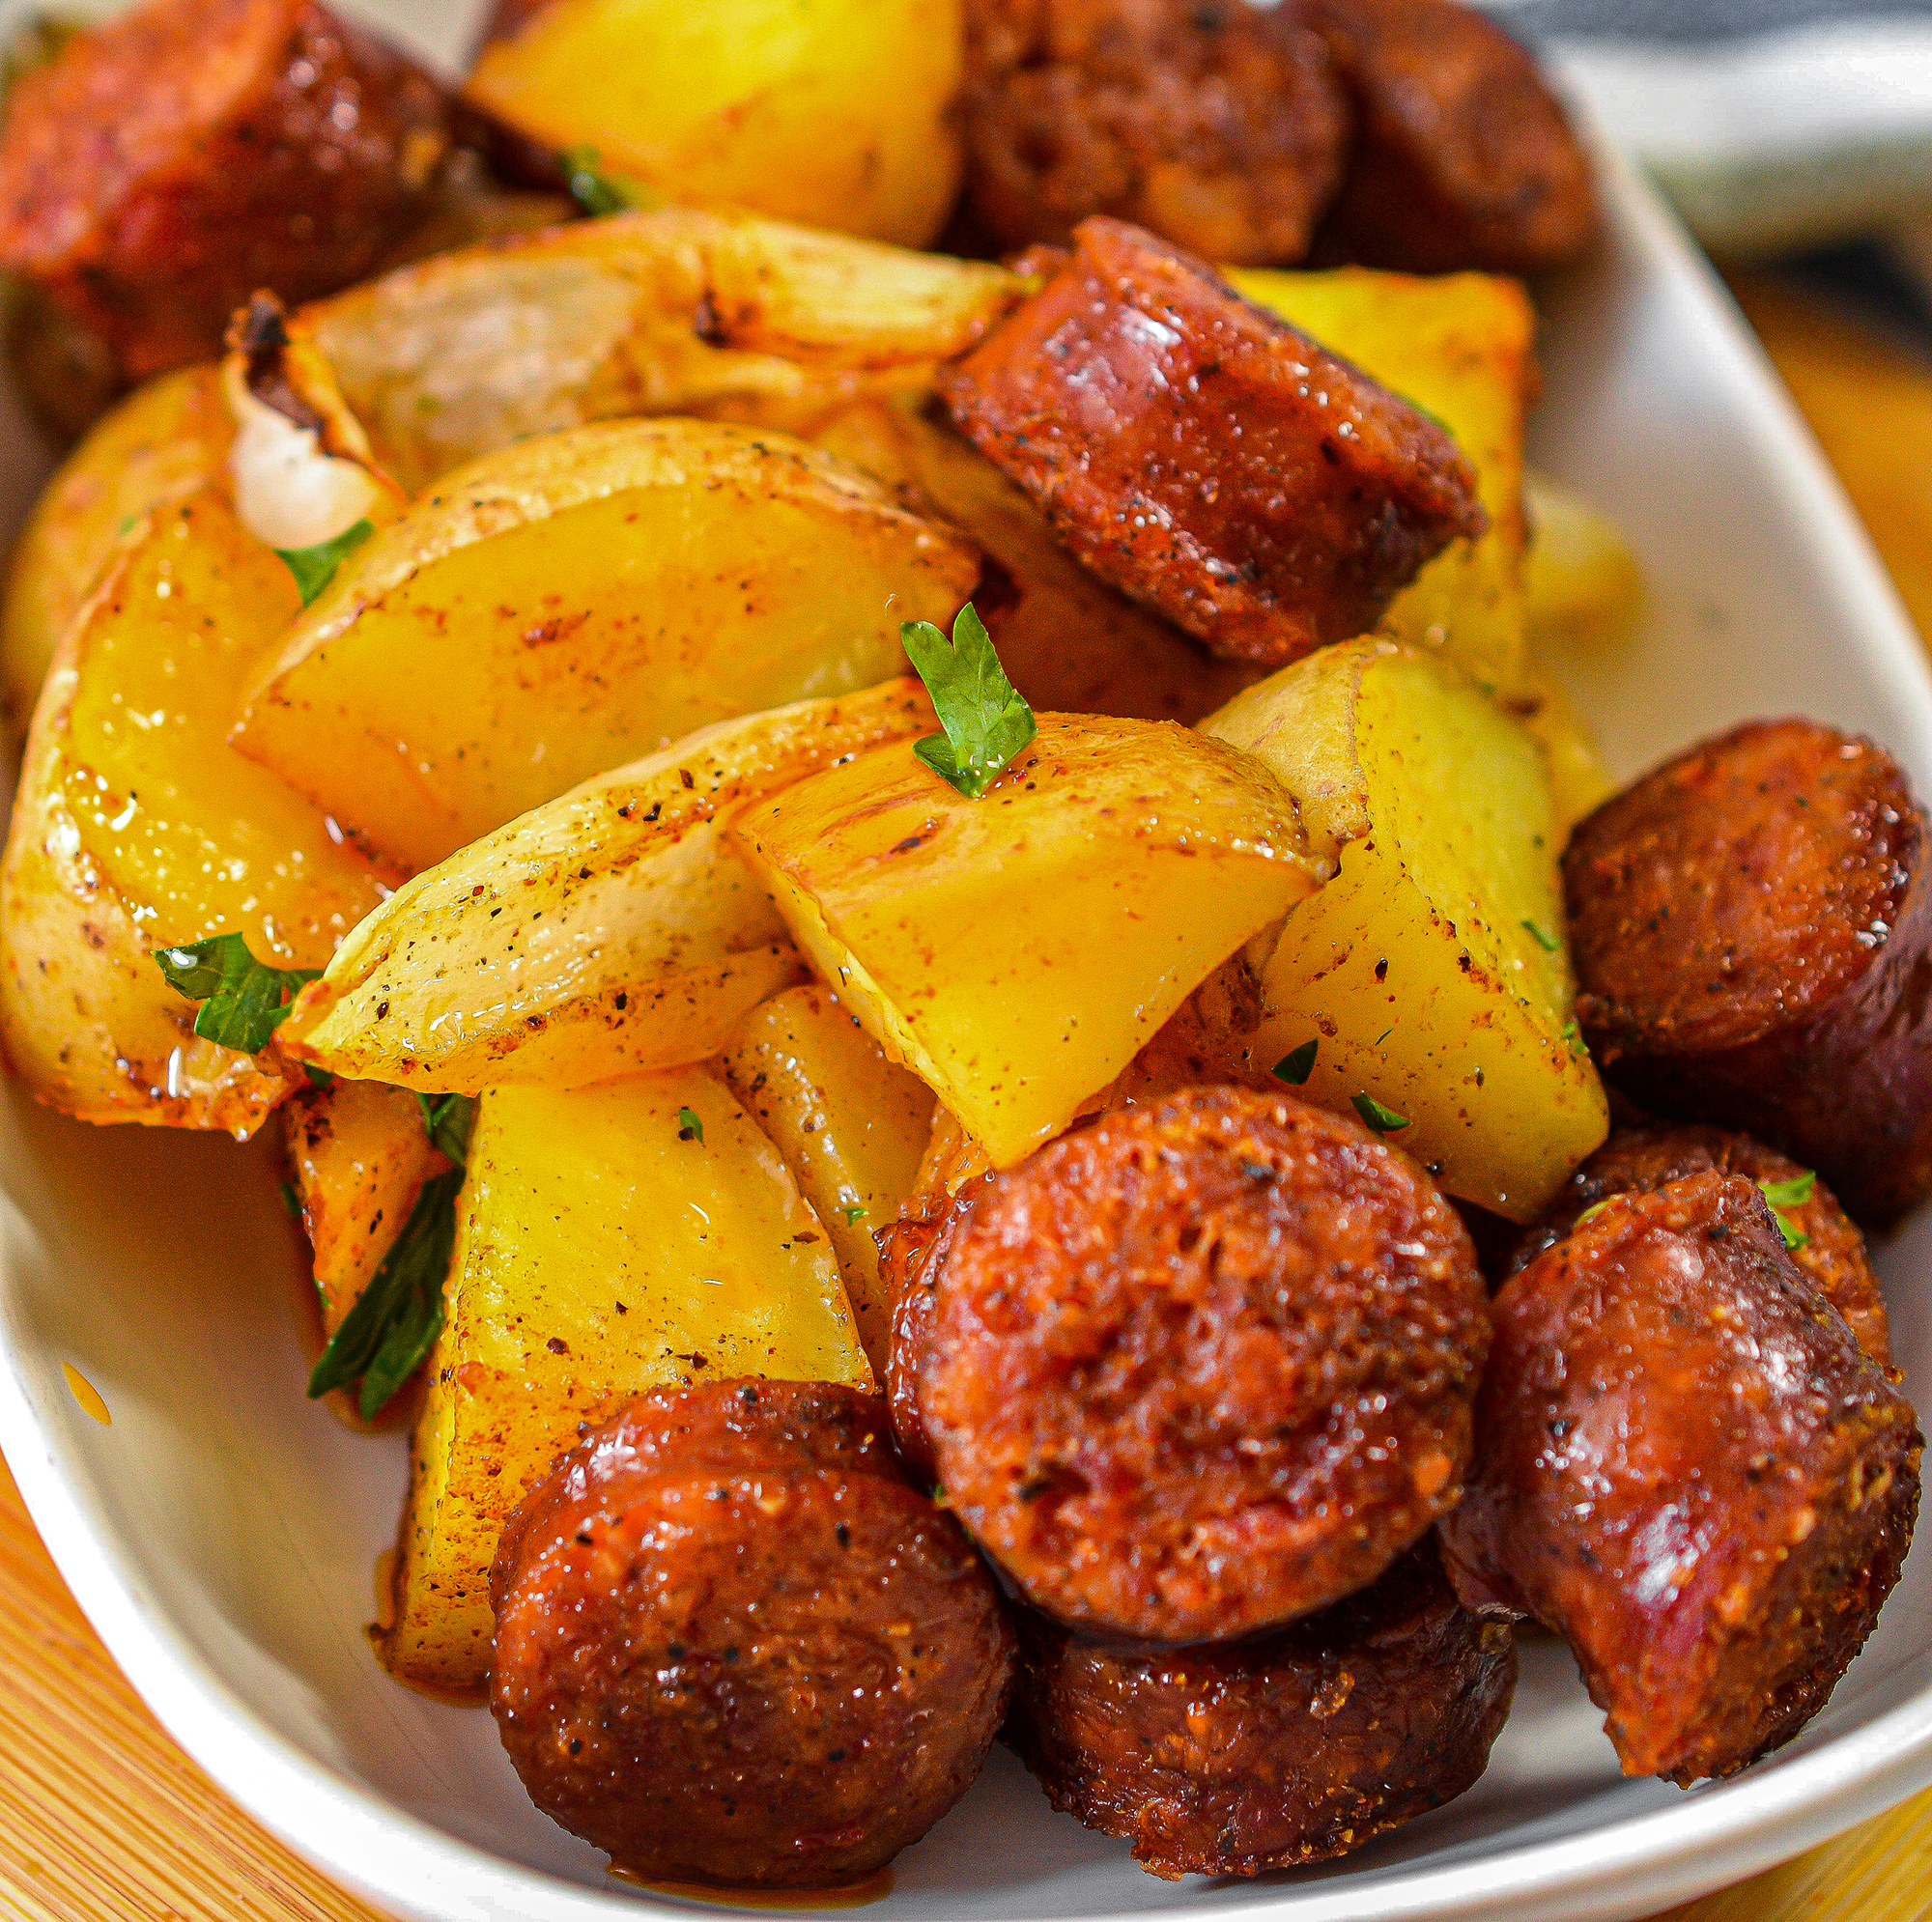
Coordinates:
<point>104,1820</point>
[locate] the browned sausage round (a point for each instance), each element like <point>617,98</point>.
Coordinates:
<point>733,1645</point>
<point>1236,1758</point>
<point>168,164</point>
<point>1751,926</point>
<point>1199,1367</point>
<point>1822,1241</point>
<point>1205,457</point>
<point>1687,1467</point>
<point>1214,125</point>
<point>1462,157</point>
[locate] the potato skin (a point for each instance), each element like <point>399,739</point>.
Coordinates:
<point>1234,1759</point>
<point>1640,1160</point>
<point>1200,1368</point>
<point>1462,157</point>
<point>1218,126</point>
<point>1686,1466</point>
<point>1751,926</point>
<point>1205,457</point>
<point>168,164</point>
<point>734,1644</point>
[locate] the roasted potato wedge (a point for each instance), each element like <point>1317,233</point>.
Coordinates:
<point>852,1127</point>
<point>1014,951</point>
<point>1461,347</point>
<point>1072,644</point>
<point>609,1239</point>
<point>567,603</point>
<point>1579,780</point>
<point>135,827</point>
<point>679,311</point>
<point>835,112</point>
<point>1431,971</point>
<point>613,930</point>
<point>1583,584</point>
<point>162,442</point>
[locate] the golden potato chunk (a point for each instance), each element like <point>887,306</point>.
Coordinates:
<point>1014,951</point>
<point>611,930</point>
<point>851,1124</point>
<point>1430,974</point>
<point>835,112</point>
<point>135,827</point>
<point>569,602</point>
<point>609,1239</point>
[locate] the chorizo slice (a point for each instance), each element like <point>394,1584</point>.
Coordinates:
<point>1686,1467</point>
<point>1209,122</point>
<point>1823,1241</point>
<point>1234,1758</point>
<point>171,162</point>
<point>1751,927</point>
<point>1205,457</point>
<point>1464,157</point>
<point>1202,1366</point>
<point>734,1644</point>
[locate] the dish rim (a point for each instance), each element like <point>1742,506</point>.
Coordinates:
<point>1626,1866</point>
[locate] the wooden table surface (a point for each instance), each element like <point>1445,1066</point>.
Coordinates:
<point>104,1820</point>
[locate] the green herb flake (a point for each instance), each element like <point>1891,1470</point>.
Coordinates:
<point>1542,936</point>
<point>317,1077</point>
<point>1383,1121</point>
<point>397,1318</point>
<point>1790,1194</point>
<point>242,999</point>
<point>598,190</point>
<point>854,1211</point>
<point>1595,1208</point>
<point>291,1200</point>
<point>1573,1039</point>
<point>1299,1063</point>
<point>447,1120</point>
<point>689,1127</point>
<point>985,720</point>
<point>314,568</point>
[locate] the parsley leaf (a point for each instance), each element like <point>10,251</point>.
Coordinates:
<point>1573,1039</point>
<point>1299,1063</point>
<point>985,720</point>
<point>854,1211</point>
<point>1383,1121</point>
<point>599,192</point>
<point>1790,1194</point>
<point>689,1127</point>
<point>291,1200</point>
<point>1595,1208</point>
<point>447,1120</point>
<point>314,568</point>
<point>240,998</point>
<point>1542,938</point>
<point>397,1318</point>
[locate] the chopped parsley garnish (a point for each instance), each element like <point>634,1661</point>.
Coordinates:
<point>1573,1039</point>
<point>1299,1063</point>
<point>689,1127</point>
<point>1383,1121</point>
<point>1542,936</point>
<point>598,190</point>
<point>1595,1208</point>
<point>291,1200</point>
<point>397,1318</point>
<point>317,1077</point>
<point>1790,1194</point>
<point>242,1001</point>
<point>985,720</point>
<point>854,1211</point>
<point>447,1120</point>
<point>314,568</point>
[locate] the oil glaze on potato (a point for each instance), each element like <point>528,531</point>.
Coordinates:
<point>602,1248</point>
<point>1015,951</point>
<point>835,112</point>
<point>135,827</point>
<point>1431,971</point>
<point>611,930</point>
<point>573,601</point>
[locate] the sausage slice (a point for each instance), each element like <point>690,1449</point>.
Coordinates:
<point>1200,1368</point>
<point>169,163</point>
<point>1204,456</point>
<point>734,1644</point>
<point>1687,1467</point>
<point>1233,1758</point>
<point>1751,927</point>
<point>1216,124</point>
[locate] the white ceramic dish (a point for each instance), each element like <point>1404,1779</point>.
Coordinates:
<point>222,1533</point>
